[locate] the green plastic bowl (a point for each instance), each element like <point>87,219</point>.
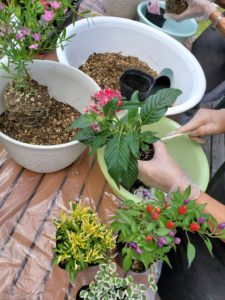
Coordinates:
<point>188,154</point>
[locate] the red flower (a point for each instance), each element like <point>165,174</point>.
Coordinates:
<point>148,238</point>
<point>182,210</point>
<point>157,209</point>
<point>194,227</point>
<point>149,208</point>
<point>170,225</point>
<point>155,216</point>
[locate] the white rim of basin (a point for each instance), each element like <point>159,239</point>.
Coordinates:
<point>140,27</point>
<point>43,147</point>
<point>175,34</point>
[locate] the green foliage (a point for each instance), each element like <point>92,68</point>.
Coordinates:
<point>24,32</point>
<point>109,286</point>
<point>81,240</point>
<point>148,230</point>
<point>122,137</point>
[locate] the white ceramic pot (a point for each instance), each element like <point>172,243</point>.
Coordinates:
<point>121,8</point>
<point>65,84</point>
<point>157,49</point>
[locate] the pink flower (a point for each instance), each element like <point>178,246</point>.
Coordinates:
<point>25,31</point>
<point>19,36</point>
<point>106,95</point>
<point>36,36</point>
<point>95,127</point>
<point>2,6</point>
<point>48,15</point>
<point>56,5</point>
<point>33,46</point>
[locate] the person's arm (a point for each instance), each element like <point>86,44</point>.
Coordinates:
<point>213,207</point>
<point>197,8</point>
<point>162,172</point>
<point>216,15</point>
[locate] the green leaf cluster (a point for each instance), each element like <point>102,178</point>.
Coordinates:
<point>81,240</point>
<point>122,136</point>
<point>109,286</point>
<point>133,223</point>
<point>25,14</point>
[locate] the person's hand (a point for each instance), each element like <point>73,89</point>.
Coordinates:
<point>205,122</point>
<point>196,8</point>
<point>162,172</point>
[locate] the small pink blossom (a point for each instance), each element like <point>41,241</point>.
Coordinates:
<point>48,15</point>
<point>19,36</point>
<point>33,46</point>
<point>56,5</point>
<point>25,31</point>
<point>95,127</point>
<point>36,36</point>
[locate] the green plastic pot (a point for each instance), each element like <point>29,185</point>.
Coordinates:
<point>188,154</point>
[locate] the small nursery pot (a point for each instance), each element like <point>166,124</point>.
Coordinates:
<point>158,20</point>
<point>65,84</point>
<point>135,80</point>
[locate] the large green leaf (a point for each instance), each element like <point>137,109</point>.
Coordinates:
<point>86,136</point>
<point>117,155</point>
<point>190,253</point>
<point>84,121</point>
<point>132,173</point>
<point>156,105</point>
<point>148,137</point>
<point>99,141</point>
<point>133,142</point>
<point>133,111</point>
<point>110,108</point>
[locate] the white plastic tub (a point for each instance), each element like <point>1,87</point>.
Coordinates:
<point>111,34</point>
<point>66,84</point>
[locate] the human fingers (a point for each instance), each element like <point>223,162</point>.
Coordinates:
<point>177,17</point>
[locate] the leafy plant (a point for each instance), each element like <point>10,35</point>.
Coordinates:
<point>109,286</point>
<point>25,30</point>
<point>148,230</point>
<point>81,240</point>
<point>122,136</point>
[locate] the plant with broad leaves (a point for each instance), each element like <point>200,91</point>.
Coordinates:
<point>122,136</point>
<point>149,230</point>
<point>26,28</point>
<point>81,240</point>
<point>109,286</point>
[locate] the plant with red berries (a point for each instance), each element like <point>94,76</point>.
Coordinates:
<point>148,230</point>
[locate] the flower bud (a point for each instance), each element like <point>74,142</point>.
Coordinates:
<point>171,233</point>
<point>221,225</point>
<point>177,240</point>
<point>201,220</point>
<point>186,201</point>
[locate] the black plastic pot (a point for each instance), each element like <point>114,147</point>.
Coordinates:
<point>158,20</point>
<point>135,80</point>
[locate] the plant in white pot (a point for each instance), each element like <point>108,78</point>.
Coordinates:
<point>30,89</point>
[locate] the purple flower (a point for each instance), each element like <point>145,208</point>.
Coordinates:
<point>56,5</point>
<point>177,240</point>
<point>133,245</point>
<point>186,201</point>
<point>138,250</point>
<point>25,31</point>
<point>221,225</point>
<point>171,233</point>
<point>201,220</point>
<point>36,36</point>
<point>48,15</point>
<point>161,242</point>
<point>33,46</point>
<point>19,36</point>
<point>2,6</point>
